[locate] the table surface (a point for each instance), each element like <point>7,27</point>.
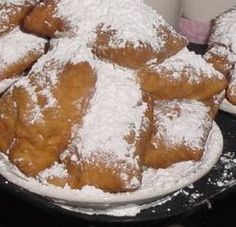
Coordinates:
<point>14,210</point>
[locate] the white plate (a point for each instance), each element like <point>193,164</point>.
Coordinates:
<point>228,107</point>
<point>156,183</point>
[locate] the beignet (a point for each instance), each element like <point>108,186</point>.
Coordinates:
<point>221,58</point>
<point>180,130</point>
<point>85,115</point>
<point>105,148</point>
<point>129,41</point>
<point>38,112</point>
<point>183,76</point>
<point>223,48</point>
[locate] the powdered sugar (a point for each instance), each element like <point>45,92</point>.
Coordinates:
<point>221,51</point>
<point>17,2</point>
<point>45,73</point>
<point>132,20</point>
<point>232,82</point>
<point>16,45</point>
<point>6,83</point>
<point>10,8</point>
<point>156,183</point>
<point>193,65</point>
<point>228,178</point>
<point>228,107</point>
<point>57,170</point>
<point>182,122</point>
<point>224,31</point>
<point>116,111</point>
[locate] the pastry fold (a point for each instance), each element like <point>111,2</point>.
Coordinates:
<point>222,49</point>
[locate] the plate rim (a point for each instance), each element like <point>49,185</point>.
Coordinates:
<point>126,198</point>
<point>226,106</point>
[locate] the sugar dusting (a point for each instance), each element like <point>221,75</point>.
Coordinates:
<point>45,73</point>
<point>155,183</point>
<point>193,65</point>
<point>224,31</point>
<point>9,8</point>
<point>133,21</point>
<point>6,83</point>
<point>57,170</point>
<point>17,2</point>
<point>221,51</point>
<point>131,90</point>
<point>16,45</point>
<point>232,82</point>
<point>117,110</point>
<point>182,122</point>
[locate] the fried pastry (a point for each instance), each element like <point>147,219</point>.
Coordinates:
<point>104,149</point>
<point>231,89</point>
<point>124,40</point>
<point>56,175</point>
<point>215,102</point>
<point>88,112</point>
<point>43,20</point>
<point>183,76</point>
<point>19,51</point>
<point>38,112</point>
<point>221,58</point>
<point>12,13</point>
<point>180,130</point>
<point>134,54</point>
<point>223,51</point>
<point>223,30</point>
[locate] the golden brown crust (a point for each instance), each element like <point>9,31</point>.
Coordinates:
<point>96,173</point>
<point>136,57</point>
<point>166,147</point>
<point>32,154</point>
<point>99,171</point>
<point>231,96</point>
<point>214,103</point>
<point>14,15</point>
<point>163,87</point>
<point>183,76</point>
<point>42,19</point>
<point>231,89</point>
<point>218,56</point>
<point>102,176</point>
<point>163,158</point>
<point>16,69</point>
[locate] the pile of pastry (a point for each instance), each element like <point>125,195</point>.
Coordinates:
<point>222,50</point>
<point>115,91</point>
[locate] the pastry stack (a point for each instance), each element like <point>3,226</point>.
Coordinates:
<point>116,92</point>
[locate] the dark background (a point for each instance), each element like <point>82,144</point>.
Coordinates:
<point>17,212</point>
